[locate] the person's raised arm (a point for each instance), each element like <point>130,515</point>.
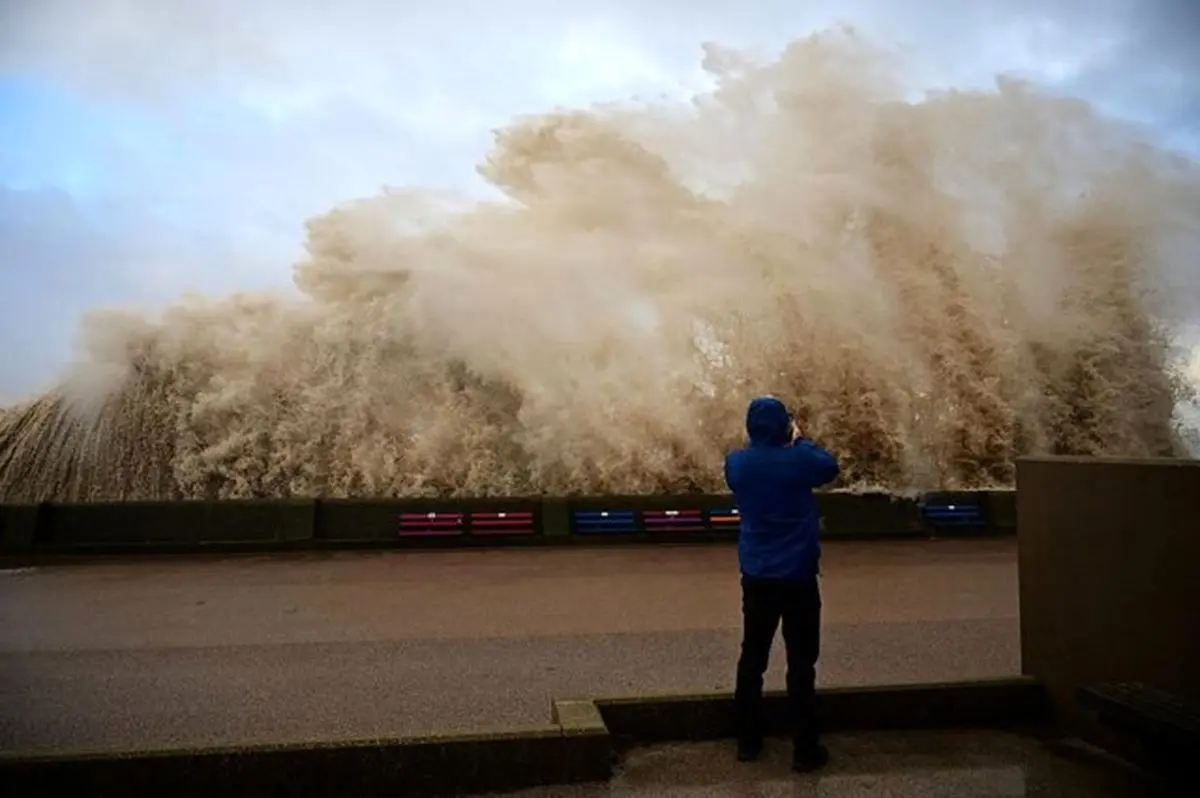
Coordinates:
<point>819,466</point>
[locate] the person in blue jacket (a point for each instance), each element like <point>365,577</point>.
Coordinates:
<point>779,553</point>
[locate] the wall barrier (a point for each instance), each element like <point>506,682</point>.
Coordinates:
<point>1107,554</point>
<point>184,525</point>
<point>102,527</point>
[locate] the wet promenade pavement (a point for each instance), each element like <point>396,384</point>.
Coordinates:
<point>960,764</point>
<point>166,652</point>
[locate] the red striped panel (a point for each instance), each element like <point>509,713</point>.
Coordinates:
<point>431,532</point>
<point>507,530</point>
<point>673,520</point>
<point>671,516</point>
<point>431,524</point>
<point>478,517</point>
<point>502,523</point>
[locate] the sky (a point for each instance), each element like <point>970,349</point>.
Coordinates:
<point>154,147</point>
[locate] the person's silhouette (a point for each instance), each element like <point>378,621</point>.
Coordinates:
<point>779,552</point>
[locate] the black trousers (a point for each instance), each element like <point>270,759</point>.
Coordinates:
<point>766,602</point>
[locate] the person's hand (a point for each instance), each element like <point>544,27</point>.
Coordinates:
<point>796,434</point>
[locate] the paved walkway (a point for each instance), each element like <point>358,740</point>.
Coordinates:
<point>272,649</point>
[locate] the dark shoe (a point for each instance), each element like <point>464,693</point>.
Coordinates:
<point>748,750</point>
<point>808,760</point>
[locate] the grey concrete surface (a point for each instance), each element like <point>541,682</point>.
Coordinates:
<point>960,764</point>
<point>169,652</point>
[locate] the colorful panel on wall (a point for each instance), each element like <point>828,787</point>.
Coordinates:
<point>605,522</point>
<point>952,510</point>
<point>724,518</point>
<point>432,525</point>
<point>673,520</point>
<point>502,523</point>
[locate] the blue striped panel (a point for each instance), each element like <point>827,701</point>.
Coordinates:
<point>942,513</point>
<point>605,522</point>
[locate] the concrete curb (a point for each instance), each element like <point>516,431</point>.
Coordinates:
<point>990,703</point>
<point>435,765</point>
<point>579,745</point>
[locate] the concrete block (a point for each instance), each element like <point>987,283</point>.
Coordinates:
<point>186,524</point>
<point>870,515</point>
<point>577,717</point>
<point>1001,506</point>
<point>556,518</point>
<point>18,527</point>
<point>358,520</point>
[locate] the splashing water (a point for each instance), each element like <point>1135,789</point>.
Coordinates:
<point>936,286</point>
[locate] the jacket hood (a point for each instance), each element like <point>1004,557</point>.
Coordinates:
<point>768,422</point>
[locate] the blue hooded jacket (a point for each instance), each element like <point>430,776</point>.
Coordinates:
<point>772,482</point>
